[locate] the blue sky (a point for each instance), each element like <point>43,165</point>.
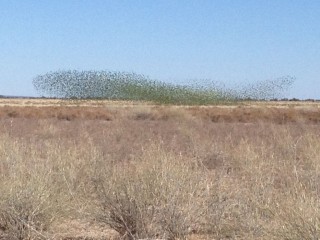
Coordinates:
<point>229,41</point>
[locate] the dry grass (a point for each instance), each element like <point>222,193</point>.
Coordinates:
<point>244,112</point>
<point>160,172</point>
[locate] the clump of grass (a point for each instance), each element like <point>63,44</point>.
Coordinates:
<point>157,196</point>
<point>27,209</point>
<point>38,186</point>
<point>29,202</point>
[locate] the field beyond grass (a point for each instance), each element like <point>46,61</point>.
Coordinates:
<point>134,170</point>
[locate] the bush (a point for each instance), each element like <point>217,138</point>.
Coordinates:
<point>158,196</point>
<point>35,190</point>
<point>28,200</point>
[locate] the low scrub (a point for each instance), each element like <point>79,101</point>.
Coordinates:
<point>148,199</point>
<point>38,187</point>
<point>159,196</point>
<point>29,202</point>
<point>180,179</point>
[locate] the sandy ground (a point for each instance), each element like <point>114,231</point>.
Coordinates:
<point>38,102</point>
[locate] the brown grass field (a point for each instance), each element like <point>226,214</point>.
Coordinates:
<point>131,170</point>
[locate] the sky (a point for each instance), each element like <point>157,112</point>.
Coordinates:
<point>179,41</point>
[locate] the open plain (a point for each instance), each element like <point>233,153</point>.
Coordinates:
<point>72,169</point>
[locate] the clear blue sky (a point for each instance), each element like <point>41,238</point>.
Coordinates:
<point>229,41</point>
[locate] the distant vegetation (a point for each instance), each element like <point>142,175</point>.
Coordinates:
<point>131,86</point>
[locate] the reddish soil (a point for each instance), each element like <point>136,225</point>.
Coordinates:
<point>244,112</point>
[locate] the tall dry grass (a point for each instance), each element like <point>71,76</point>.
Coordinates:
<point>184,177</point>
<point>39,185</point>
